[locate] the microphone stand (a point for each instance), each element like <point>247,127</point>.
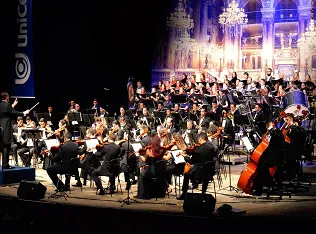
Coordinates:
<point>128,200</point>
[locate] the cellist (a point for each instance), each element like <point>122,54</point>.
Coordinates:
<point>271,161</point>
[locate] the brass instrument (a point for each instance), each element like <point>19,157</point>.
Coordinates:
<point>230,115</point>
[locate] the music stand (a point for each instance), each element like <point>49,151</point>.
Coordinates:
<point>86,120</point>
<point>39,116</point>
<point>179,98</point>
<point>128,200</point>
<point>33,134</point>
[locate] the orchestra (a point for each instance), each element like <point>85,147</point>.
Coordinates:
<point>182,110</point>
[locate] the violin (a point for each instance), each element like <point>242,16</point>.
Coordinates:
<point>142,151</point>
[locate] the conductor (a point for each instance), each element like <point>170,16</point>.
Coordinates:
<point>7,116</point>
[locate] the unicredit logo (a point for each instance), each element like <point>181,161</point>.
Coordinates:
<point>22,62</point>
<point>22,68</point>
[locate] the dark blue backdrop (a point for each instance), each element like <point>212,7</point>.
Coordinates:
<point>82,47</point>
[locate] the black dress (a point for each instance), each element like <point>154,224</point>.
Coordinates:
<point>145,182</point>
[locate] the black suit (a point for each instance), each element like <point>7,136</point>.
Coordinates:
<point>297,134</point>
<point>7,115</point>
<point>128,161</point>
<point>53,118</point>
<point>109,152</point>
<point>202,154</point>
<point>228,132</point>
<point>66,162</point>
<point>259,121</point>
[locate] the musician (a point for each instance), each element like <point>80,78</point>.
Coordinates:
<point>216,111</point>
<point>272,157</point>
<point>227,129</point>
<point>95,106</point>
<point>122,114</point>
<point>146,118</point>
<point>117,131</point>
<point>222,99</point>
<point>259,120</point>
<point>203,121</point>
<point>295,147</point>
<point>204,153</point>
<point>269,78</point>
<point>19,138</point>
<point>7,115</point>
<point>190,134</point>
<point>167,103</point>
<point>52,117</point>
<point>171,126</point>
<point>66,162</point>
<point>154,152</point>
<point>108,152</point>
<point>143,136</point>
<point>128,161</point>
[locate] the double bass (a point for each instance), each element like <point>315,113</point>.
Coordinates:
<point>249,176</point>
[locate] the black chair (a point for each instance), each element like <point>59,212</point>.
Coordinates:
<point>179,170</point>
<point>205,174</point>
<point>160,175</point>
<point>115,170</point>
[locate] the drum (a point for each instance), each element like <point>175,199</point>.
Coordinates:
<point>295,102</point>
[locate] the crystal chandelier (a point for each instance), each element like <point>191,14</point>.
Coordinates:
<point>181,24</point>
<point>307,41</point>
<point>179,18</point>
<point>233,15</point>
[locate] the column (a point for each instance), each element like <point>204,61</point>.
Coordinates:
<point>204,18</point>
<point>171,49</point>
<point>267,37</point>
<point>197,20</point>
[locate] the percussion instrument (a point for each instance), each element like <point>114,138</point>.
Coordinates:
<point>295,102</point>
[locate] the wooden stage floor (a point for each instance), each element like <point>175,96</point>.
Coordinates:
<point>300,204</point>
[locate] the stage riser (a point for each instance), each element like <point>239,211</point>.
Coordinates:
<point>16,175</point>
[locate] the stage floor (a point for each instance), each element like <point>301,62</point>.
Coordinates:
<point>298,205</point>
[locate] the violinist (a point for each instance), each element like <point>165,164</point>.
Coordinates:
<point>19,139</point>
<point>65,162</point>
<point>108,152</point>
<point>153,153</point>
<point>88,161</point>
<point>128,161</point>
<point>143,136</point>
<point>273,156</point>
<point>204,153</point>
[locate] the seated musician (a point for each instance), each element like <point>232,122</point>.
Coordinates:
<point>89,161</point>
<point>108,152</point>
<point>201,154</point>
<point>46,133</point>
<point>66,162</point>
<point>259,120</point>
<point>128,161</point>
<point>154,152</point>
<point>122,114</point>
<point>190,134</point>
<point>227,129</point>
<point>272,157</point>
<point>19,138</point>
<point>203,121</point>
<point>295,148</point>
<point>171,126</point>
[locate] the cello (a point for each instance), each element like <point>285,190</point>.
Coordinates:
<point>249,176</point>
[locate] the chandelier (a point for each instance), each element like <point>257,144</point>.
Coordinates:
<point>307,41</point>
<point>179,18</point>
<point>233,15</point>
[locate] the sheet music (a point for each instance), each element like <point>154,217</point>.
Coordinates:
<point>136,147</point>
<point>247,143</point>
<point>177,157</point>
<point>51,142</point>
<point>91,144</point>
